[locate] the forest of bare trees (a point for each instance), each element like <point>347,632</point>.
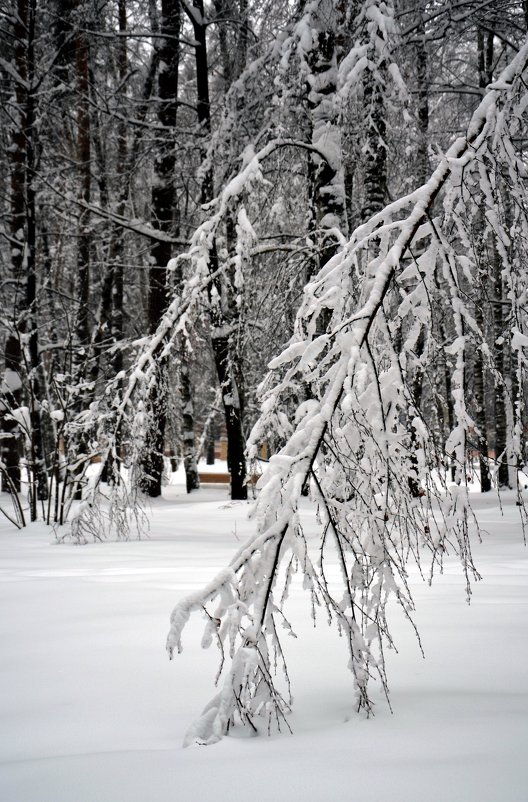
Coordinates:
<point>175,174</point>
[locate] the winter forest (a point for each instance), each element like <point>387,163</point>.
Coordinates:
<point>299,227</point>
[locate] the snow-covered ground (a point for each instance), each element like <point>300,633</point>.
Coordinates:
<point>92,710</point>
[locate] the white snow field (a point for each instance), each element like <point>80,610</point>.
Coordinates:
<point>93,711</point>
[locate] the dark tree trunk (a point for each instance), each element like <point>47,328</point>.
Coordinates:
<point>12,385</point>
<point>37,466</point>
<point>449,402</point>
<point>84,163</point>
<point>422,174</point>
<point>326,188</point>
<point>222,313</point>
<point>422,76</point>
<point>480,407</point>
<point>110,314</point>
<point>192,480</point>
<point>501,421</point>
<point>210,444</point>
<point>375,173</point>
<point>326,175</point>
<point>485,61</point>
<point>23,256</point>
<point>163,210</point>
<point>485,66</point>
<point>11,399</point>
<point>84,152</point>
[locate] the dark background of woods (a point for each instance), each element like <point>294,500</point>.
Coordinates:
<point>121,122</point>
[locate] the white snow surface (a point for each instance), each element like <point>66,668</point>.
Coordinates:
<point>92,710</point>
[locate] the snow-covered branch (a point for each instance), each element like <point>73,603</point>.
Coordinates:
<point>359,437</point>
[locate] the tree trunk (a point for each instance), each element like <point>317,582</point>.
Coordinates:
<point>327,188</point>
<point>12,382</point>
<point>82,57</point>
<point>84,152</point>
<point>163,209</point>
<point>485,66</point>
<point>23,263</point>
<point>192,480</point>
<point>210,444</point>
<point>499,344</point>
<point>375,171</point>
<point>11,400</point>
<point>37,465</point>
<point>222,313</point>
<point>422,172</point>
<point>485,61</point>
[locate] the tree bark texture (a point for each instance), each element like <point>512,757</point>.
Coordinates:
<point>222,314</point>
<point>12,385</point>
<point>163,197</point>
<point>326,176</point>
<point>24,359</point>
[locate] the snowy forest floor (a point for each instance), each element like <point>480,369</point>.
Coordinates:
<point>92,710</point>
